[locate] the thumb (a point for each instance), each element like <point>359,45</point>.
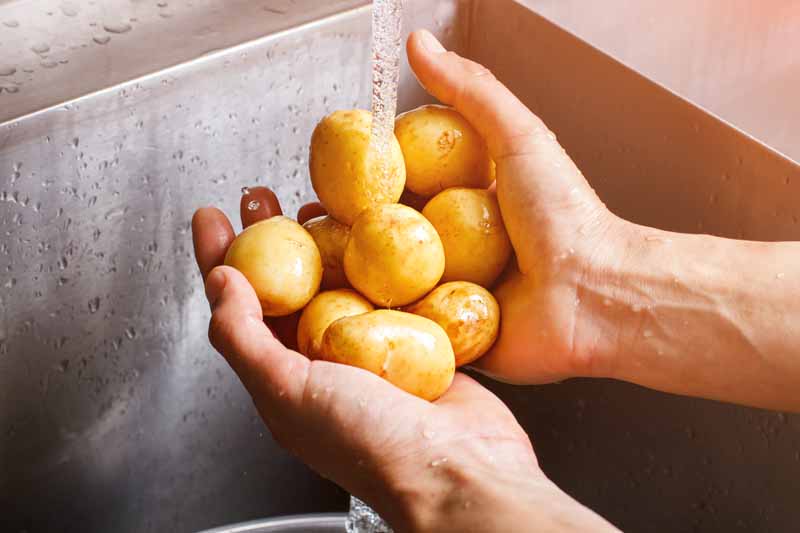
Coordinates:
<point>534,174</point>
<point>269,371</point>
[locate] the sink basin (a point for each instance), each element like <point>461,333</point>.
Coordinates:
<point>116,414</point>
<point>327,523</point>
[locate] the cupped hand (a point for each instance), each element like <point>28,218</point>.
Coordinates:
<point>378,442</point>
<point>561,232</point>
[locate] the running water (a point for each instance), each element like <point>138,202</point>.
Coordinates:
<point>387,43</point>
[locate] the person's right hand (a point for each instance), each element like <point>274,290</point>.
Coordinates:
<point>561,232</point>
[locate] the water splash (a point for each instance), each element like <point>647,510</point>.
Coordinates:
<point>362,519</point>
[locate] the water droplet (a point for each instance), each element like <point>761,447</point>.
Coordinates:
<point>647,334</point>
<point>117,27</point>
<point>428,433</point>
<point>162,4</point>
<point>7,70</point>
<point>314,395</point>
<point>101,39</point>
<point>10,283</point>
<point>636,308</point>
<point>94,305</point>
<point>49,63</point>
<point>780,275</point>
<point>9,87</point>
<point>437,462</point>
<point>63,366</point>
<point>130,333</point>
<point>11,23</point>
<point>69,9</point>
<point>40,48</point>
<point>253,205</point>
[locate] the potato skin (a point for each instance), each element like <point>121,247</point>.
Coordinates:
<point>410,351</point>
<point>346,174</point>
<point>394,255</point>
<point>467,312</point>
<point>476,244</point>
<point>442,150</point>
<point>331,238</point>
<point>321,312</point>
<point>281,261</point>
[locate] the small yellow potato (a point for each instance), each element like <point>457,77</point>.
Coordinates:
<point>442,150</point>
<point>324,309</point>
<point>281,261</point>
<point>467,312</point>
<point>409,351</point>
<point>331,238</point>
<point>476,244</point>
<point>346,173</point>
<point>394,255</point>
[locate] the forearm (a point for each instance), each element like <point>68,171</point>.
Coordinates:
<point>701,316</point>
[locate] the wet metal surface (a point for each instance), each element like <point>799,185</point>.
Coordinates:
<point>115,413</point>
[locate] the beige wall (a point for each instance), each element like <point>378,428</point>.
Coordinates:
<point>738,58</point>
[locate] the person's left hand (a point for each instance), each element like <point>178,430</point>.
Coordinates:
<point>397,452</point>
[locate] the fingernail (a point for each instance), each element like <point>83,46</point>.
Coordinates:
<point>215,284</point>
<point>430,43</point>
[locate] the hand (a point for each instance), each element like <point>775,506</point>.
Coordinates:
<point>593,295</point>
<point>560,230</point>
<point>415,462</point>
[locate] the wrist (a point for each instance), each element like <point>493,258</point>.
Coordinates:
<point>484,489</point>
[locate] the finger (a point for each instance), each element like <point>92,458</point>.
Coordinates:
<point>257,204</point>
<point>486,103</point>
<point>237,331</point>
<point>534,174</point>
<point>212,234</point>
<point>309,211</point>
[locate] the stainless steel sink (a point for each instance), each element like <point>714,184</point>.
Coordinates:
<point>115,413</point>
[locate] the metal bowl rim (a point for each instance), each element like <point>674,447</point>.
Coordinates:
<point>317,519</point>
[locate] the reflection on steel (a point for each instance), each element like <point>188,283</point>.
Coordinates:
<point>115,414</point>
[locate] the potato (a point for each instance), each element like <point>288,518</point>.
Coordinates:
<point>394,255</point>
<point>281,261</point>
<point>331,238</point>
<point>467,312</point>
<point>442,150</point>
<point>347,174</point>
<point>325,308</point>
<point>410,351</point>
<point>476,244</point>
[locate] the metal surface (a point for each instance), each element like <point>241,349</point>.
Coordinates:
<point>737,58</point>
<point>328,523</point>
<point>66,49</point>
<point>116,415</point>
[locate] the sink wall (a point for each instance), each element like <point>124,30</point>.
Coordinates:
<point>115,413</point>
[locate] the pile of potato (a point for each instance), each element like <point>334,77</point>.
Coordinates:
<point>403,292</point>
